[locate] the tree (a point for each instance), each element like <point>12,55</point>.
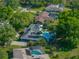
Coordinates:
<point>30,43</point>
<point>67,31</point>
<point>7,33</point>
<point>13,3</point>
<point>41,42</point>
<point>6,13</point>
<point>74,57</point>
<point>20,20</point>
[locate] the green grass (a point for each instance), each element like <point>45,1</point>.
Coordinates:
<point>64,55</point>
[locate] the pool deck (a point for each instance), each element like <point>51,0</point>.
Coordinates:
<point>44,56</point>
<point>21,53</point>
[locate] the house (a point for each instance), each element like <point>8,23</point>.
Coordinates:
<point>33,32</point>
<point>50,13</point>
<point>43,16</point>
<point>55,8</point>
<point>34,52</point>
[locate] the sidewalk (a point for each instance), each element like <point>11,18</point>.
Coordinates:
<point>19,43</point>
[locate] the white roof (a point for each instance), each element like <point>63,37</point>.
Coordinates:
<point>54,7</point>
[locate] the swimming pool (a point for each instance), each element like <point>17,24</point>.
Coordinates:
<point>46,35</point>
<point>36,52</point>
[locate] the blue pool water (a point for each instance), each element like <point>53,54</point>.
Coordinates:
<point>36,52</point>
<point>47,35</point>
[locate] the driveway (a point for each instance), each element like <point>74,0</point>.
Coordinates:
<point>19,43</point>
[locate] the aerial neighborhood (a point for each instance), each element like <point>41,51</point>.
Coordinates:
<point>39,29</point>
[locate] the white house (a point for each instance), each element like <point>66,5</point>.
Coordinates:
<point>55,8</point>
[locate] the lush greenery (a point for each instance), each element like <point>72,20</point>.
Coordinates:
<point>7,33</point>
<point>67,30</point>
<point>12,21</point>
<point>41,42</point>
<point>13,3</point>
<point>17,19</point>
<point>20,20</point>
<point>39,3</point>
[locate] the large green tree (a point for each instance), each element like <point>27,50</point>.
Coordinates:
<point>67,30</point>
<point>20,20</point>
<point>6,13</point>
<point>7,33</point>
<point>13,3</point>
<point>17,19</point>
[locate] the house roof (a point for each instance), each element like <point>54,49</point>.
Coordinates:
<point>55,8</point>
<point>32,32</point>
<point>18,54</point>
<point>35,27</point>
<point>42,16</point>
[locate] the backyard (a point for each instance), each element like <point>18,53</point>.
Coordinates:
<point>58,54</point>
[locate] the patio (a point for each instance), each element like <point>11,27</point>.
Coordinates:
<point>25,53</point>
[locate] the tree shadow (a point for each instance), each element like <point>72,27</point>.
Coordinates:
<point>65,45</point>
<point>10,54</point>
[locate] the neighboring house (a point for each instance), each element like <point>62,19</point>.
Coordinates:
<point>50,13</point>
<point>33,32</point>
<point>55,8</point>
<point>43,16</point>
<point>35,52</point>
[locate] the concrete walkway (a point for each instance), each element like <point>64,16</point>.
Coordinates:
<point>19,43</point>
